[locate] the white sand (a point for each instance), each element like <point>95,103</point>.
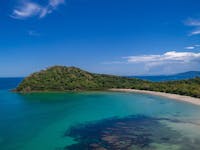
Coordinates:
<point>177,97</point>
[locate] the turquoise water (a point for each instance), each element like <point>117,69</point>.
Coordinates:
<point>55,121</point>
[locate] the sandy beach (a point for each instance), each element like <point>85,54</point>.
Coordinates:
<point>188,99</point>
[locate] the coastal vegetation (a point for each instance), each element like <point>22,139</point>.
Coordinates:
<point>61,78</point>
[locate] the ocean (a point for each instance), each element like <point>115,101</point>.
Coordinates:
<point>95,120</point>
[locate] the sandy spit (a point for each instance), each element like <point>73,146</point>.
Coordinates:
<point>188,99</point>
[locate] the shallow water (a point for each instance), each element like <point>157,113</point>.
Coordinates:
<point>92,120</point>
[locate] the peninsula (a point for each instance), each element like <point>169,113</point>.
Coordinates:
<point>61,78</point>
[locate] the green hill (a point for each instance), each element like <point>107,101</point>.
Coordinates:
<point>60,78</point>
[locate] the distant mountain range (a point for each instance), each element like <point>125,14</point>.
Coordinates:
<point>180,76</point>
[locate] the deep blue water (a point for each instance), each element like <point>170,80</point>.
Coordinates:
<point>9,83</point>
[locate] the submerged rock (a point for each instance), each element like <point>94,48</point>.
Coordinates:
<point>130,133</point>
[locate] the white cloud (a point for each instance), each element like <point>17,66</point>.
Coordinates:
<point>55,3</point>
<point>195,32</point>
<point>28,9</point>
<point>194,23</point>
<point>190,47</point>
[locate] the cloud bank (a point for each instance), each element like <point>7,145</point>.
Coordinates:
<point>27,9</point>
<point>172,56</point>
<point>166,63</point>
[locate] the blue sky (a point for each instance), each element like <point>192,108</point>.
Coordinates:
<point>123,37</point>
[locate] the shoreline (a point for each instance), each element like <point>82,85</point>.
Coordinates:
<point>181,98</point>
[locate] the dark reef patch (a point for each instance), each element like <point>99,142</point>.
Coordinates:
<point>134,132</point>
